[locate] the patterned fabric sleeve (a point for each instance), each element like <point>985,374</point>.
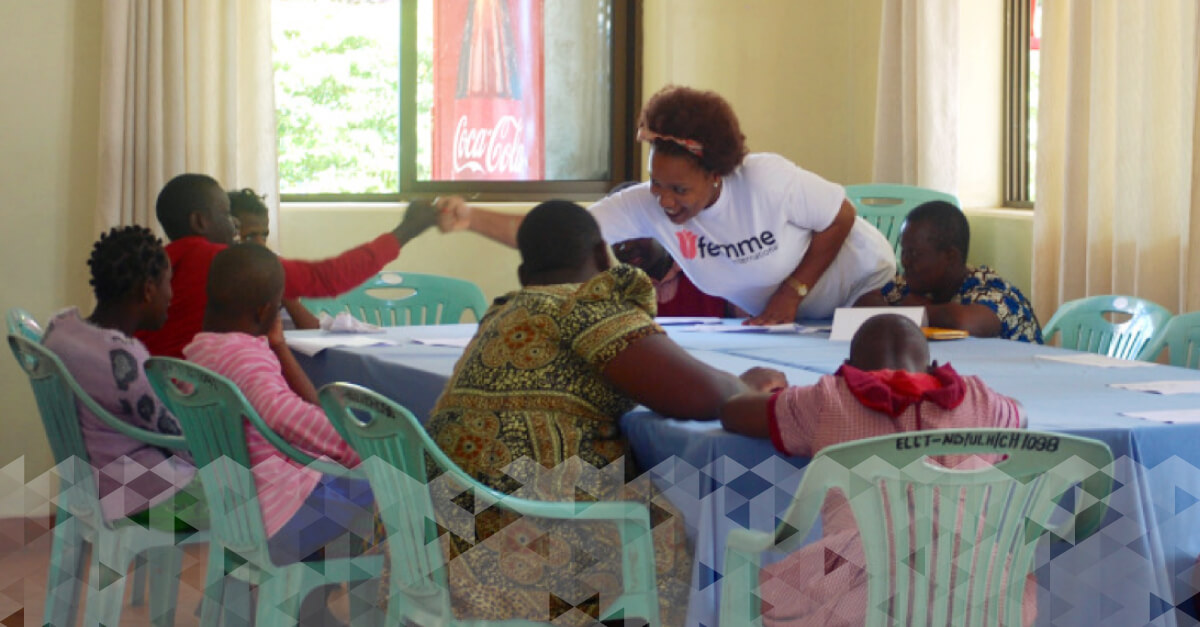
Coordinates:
<point>1017,320</point>
<point>612,311</point>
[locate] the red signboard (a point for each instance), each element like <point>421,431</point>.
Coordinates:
<point>487,78</point>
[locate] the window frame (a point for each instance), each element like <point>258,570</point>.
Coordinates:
<point>1018,35</point>
<point>623,159</point>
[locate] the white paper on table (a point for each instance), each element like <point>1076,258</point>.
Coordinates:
<point>787,327</point>
<point>672,321</point>
<point>455,342</point>
<point>312,344</point>
<point>1161,387</point>
<point>343,322</point>
<point>1092,359</point>
<point>1169,416</point>
<point>846,320</point>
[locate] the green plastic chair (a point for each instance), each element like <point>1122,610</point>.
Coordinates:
<point>893,489</point>
<point>397,299</point>
<point>886,206</point>
<point>1084,327</point>
<point>213,414</point>
<point>394,447</point>
<point>1181,338</point>
<point>78,517</point>
<point>21,323</point>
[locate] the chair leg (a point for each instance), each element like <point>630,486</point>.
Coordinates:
<point>137,596</point>
<point>213,600</point>
<point>68,562</point>
<point>165,566</point>
<point>279,599</point>
<point>239,603</point>
<point>106,582</point>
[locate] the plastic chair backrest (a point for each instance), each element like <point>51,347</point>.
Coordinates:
<point>1084,327</point>
<point>213,412</point>
<point>59,398</point>
<point>396,299</point>
<point>394,447</point>
<point>1181,338</point>
<point>886,205</point>
<point>58,394</point>
<point>929,531</point>
<point>21,323</point>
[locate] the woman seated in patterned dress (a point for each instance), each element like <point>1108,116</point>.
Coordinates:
<point>533,409</point>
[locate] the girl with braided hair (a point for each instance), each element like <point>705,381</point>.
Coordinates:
<point>131,278</point>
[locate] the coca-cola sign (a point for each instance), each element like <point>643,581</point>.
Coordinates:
<point>490,150</point>
<point>487,74</point>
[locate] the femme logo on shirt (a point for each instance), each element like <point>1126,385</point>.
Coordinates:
<point>749,249</point>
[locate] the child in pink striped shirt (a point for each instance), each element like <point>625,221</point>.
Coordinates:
<point>886,386</point>
<point>242,339</point>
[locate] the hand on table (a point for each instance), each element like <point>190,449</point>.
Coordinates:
<point>454,214</point>
<point>762,379</point>
<point>780,309</point>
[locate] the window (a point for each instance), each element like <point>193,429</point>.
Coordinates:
<point>1021,62</point>
<point>499,99</point>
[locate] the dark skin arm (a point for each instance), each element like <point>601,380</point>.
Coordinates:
<point>824,246</point>
<point>292,372</point>
<point>658,373</point>
<point>747,414</point>
<point>301,316</point>
<point>977,320</point>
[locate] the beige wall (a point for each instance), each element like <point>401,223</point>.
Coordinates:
<point>48,154</point>
<point>800,74</point>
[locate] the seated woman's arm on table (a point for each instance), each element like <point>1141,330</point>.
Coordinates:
<point>658,373</point>
<point>978,320</point>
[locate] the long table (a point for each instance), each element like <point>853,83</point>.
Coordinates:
<point>1140,568</point>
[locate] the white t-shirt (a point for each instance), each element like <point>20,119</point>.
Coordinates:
<point>755,235</point>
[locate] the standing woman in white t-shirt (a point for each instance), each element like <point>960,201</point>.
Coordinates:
<point>778,241</point>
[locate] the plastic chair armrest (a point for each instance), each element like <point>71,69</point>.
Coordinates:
<point>285,447</point>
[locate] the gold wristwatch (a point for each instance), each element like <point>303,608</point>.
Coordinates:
<point>794,283</point>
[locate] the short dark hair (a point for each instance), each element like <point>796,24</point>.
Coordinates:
<point>180,198</point>
<point>948,227</point>
<point>701,116</point>
<point>123,259</point>
<point>241,277</point>
<point>557,235</point>
<point>247,202</point>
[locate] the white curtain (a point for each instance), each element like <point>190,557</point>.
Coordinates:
<point>185,86</point>
<point>916,107</point>
<point>1118,181</point>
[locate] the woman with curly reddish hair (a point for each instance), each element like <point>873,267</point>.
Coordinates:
<point>776,240</point>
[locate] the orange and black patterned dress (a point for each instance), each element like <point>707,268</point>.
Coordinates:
<point>527,412</point>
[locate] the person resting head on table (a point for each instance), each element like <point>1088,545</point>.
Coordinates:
<point>887,386</point>
<point>242,340</point>
<point>753,228</point>
<point>254,225</point>
<point>550,372</point>
<point>131,278</point>
<point>933,254</point>
<point>194,211</point>
<point>675,293</point>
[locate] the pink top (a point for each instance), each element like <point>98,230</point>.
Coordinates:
<point>824,583</point>
<point>282,483</point>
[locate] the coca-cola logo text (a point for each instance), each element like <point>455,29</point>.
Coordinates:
<point>499,149</point>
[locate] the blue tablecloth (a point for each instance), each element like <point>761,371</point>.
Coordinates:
<point>1139,569</point>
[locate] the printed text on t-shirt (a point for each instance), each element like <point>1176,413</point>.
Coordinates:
<point>753,247</point>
